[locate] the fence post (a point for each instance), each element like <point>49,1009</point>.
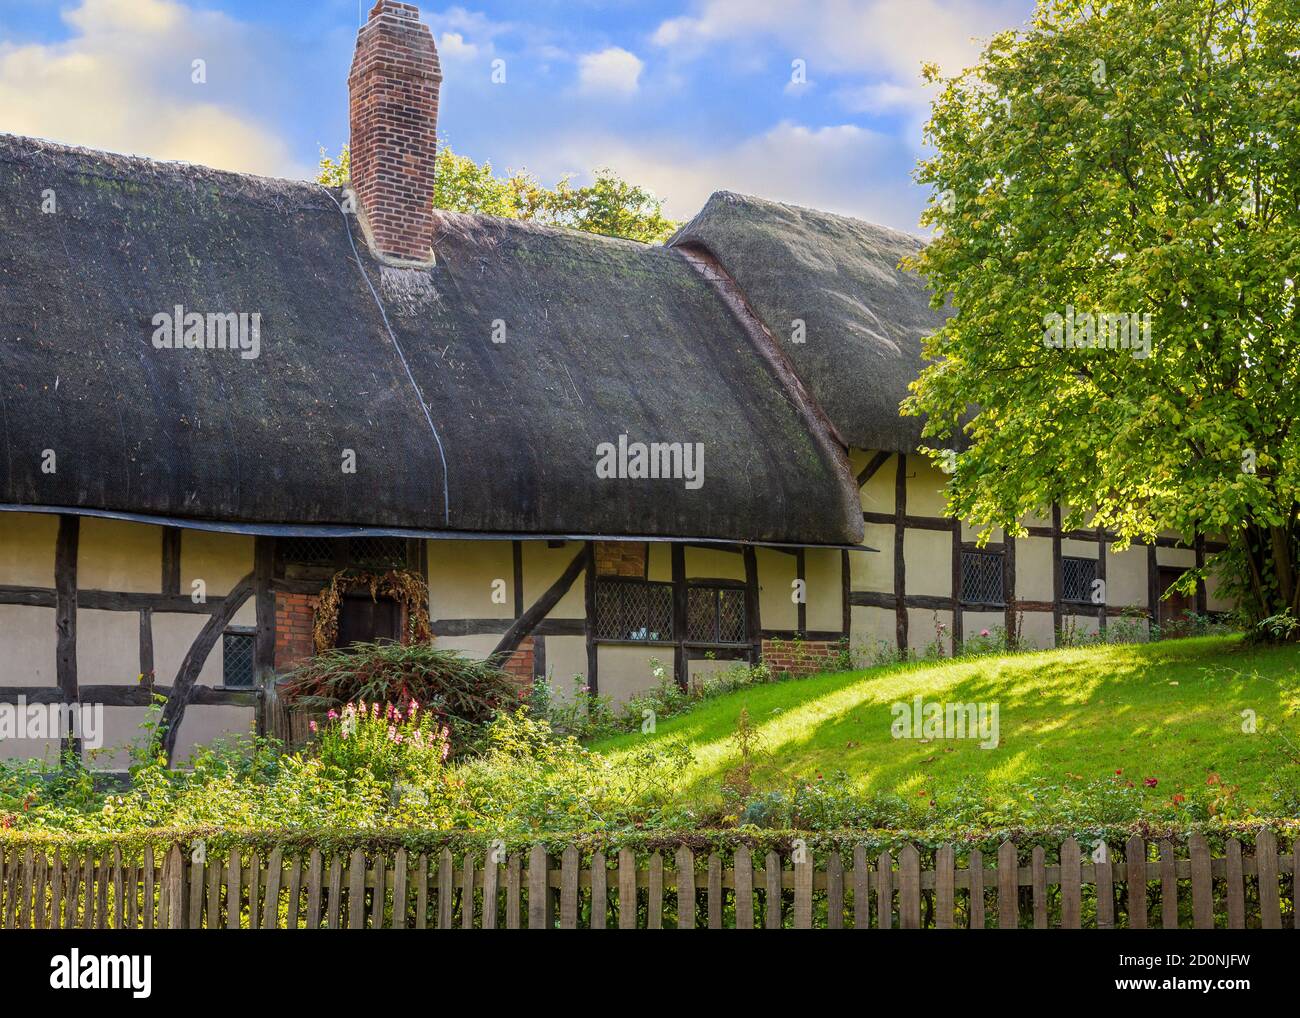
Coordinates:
<point>1008,886</point>
<point>1270,908</point>
<point>909,888</point>
<point>803,890</point>
<point>1135,860</point>
<point>175,885</point>
<point>539,892</point>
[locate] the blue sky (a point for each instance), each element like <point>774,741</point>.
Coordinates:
<point>686,97</point>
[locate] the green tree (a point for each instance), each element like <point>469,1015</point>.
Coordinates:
<point>1138,157</point>
<point>609,205</point>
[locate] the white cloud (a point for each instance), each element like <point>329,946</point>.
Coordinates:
<point>888,39</point>
<point>452,48</point>
<point>611,70</point>
<point>846,169</point>
<point>123,82</point>
<point>882,97</point>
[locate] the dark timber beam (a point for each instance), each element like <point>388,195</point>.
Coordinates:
<point>1058,577</point>
<point>801,574</point>
<point>681,664</point>
<point>846,605</point>
<point>958,630</point>
<point>753,623</point>
<point>272,718</point>
<point>139,695</point>
<point>517,556</point>
<point>869,471</point>
<point>186,676</point>
<point>589,603</point>
<point>109,600</point>
<point>900,569</point>
<point>1153,585</point>
<point>146,643</point>
<point>527,621</point>
<point>1101,575</point>
<point>1202,600</point>
<point>1009,589</point>
<point>65,614</point>
<point>171,560</point>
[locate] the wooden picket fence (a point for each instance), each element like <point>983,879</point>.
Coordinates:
<point>1136,885</point>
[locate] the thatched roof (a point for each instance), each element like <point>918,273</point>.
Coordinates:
<point>864,317</point>
<point>602,337</point>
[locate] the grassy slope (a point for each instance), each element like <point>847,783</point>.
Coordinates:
<point>1168,710</point>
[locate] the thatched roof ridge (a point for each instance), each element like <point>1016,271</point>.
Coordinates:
<point>864,316</point>
<point>603,338</point>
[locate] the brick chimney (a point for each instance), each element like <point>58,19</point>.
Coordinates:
<point>394,86</point>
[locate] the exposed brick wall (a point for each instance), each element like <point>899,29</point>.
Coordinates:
<point>519,665</point>
<point>800,658</point>
<point>393,87</point>
<point>620,558</point>
<point>295,615</point>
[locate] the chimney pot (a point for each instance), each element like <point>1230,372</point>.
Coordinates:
<point>393,98</point>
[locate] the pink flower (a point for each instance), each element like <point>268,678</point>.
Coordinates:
<point>312,726</point>
<point>414,706</point>
<point>332,715</point>
<point>984,632</point>
<point>392,732</point>
<point>1150,782</point>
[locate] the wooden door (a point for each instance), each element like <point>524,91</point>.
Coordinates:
<point>366,620</point>
<point>1174,608</point>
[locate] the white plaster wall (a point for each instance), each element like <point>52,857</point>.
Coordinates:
<point>108,647</point>
<point>921,630</point>
<point>173,634</point>
<point>461,576</point>
<point>1037,630</point>
<point>874,570</point>
<point>870,626</point>
<point>27,543</point>
<point>776,574</point>
<point>1126,577</point>
<point>625,670</point>
<point>542,567</point>
<point>713,564</point>
<point>825,590</point>
<point>27,646</point>
<point>205,724</point>
<point>115,555</point>
<point>927,554</point>
<point>1034,569</point>
<point>219,560</point>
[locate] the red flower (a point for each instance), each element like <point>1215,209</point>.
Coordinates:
<point>1150,782</point>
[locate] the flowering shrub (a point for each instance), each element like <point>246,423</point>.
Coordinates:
<point>464,693</point>
<point>391,743</point>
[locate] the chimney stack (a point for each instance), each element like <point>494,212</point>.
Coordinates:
<point>393,89</point>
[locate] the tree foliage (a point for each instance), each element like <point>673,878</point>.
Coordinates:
<point>608,205</point>
<point>1133,157</point>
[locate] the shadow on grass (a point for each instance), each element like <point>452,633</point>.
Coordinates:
<point>1170,711</point>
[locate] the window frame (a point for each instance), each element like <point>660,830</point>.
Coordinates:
<point>1087,598</point>
<point>343,556</point>
<point>634,581</point>
<point>991,552</point>
<point>717,587</point>
<point>242,632</point>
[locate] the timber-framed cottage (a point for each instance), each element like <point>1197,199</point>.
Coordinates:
<point>218,391</point>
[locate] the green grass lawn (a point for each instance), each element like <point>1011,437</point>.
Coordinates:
<point>1170,711</point>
